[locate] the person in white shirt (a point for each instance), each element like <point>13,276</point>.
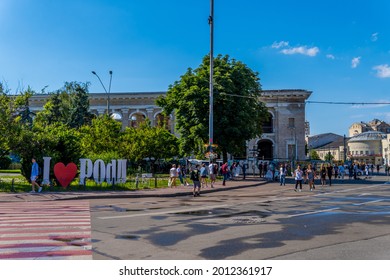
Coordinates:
<point>282,174</point>
<point>298,174</point>
<point>212,174</point>
<point>172,176</point>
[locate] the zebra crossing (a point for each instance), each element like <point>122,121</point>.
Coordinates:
<point>45,230</point>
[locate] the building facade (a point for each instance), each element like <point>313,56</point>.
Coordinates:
<point>374,125</point>
<point>366,147</point>
<point>283,135</point>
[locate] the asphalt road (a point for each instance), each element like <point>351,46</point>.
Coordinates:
<point>347,221</point>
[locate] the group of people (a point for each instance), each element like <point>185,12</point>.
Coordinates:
<point>198,176</point>
<point>326,172</point>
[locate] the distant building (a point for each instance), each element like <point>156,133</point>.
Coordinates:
<point>374,125</point>
<point>386,150</point>
<point>366,147</point>
<point>327,143</point>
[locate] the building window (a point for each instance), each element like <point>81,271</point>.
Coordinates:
<point>361,152</point>
<point>291,122</point>
<point>367,153</point>
<point>268,124</point>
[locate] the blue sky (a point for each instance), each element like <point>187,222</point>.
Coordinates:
<point>338,49</point>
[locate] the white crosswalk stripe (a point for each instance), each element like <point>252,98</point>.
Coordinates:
<point>45,230</point>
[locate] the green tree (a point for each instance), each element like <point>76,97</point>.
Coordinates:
<point>69,105</point>
<point>329,157</point>
<point>102,136</point>
<point>314,155</point>
<point>57,141</point>
<point>238,113</point>
<point>14,117</point>
<point>146,142</point>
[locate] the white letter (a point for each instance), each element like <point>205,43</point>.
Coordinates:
<point>86,168</point>
<point>99,171</point>
<point>122,170</point>
<point>46,171</point>
<point>111,172</point>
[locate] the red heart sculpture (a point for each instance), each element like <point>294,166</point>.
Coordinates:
<point>65,174</point>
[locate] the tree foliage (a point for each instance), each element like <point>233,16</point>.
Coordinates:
<point>329,157</point>
<point>314,155</point>
<point>69,105</point>
<point>147,142</point>
<point>102,136</point>
<point>238,113</point>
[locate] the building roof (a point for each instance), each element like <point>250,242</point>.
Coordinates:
<point>368,136</point>
<point>320,140</point>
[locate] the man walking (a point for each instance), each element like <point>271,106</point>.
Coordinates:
<point>225,172</point>
<point>34,176</point>
<point>195,179</point>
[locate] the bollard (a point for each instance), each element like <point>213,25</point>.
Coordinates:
<point>13,185</point>
<point>136,181</point>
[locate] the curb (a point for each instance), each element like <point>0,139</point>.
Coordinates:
<point>25,197</point>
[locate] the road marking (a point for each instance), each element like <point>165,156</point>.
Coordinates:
<point>45,230</point>
<point>368,202</point>
<point>314,212</point>
<point>164,212</point>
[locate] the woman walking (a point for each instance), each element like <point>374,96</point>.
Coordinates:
<point>330,173</point>
<point>311,174</point>
<point>323,175</point>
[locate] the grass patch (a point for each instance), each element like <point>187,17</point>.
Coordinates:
<point>11,171</point>
<point>18,183</point>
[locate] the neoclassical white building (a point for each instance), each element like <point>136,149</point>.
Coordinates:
<point>283,135</point>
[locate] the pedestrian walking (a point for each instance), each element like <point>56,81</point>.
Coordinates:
<point>172,176</point>
<point>311,174</point>
<point>265,169</point>
<point>298,174</point>
<point>225,172</point>
<point>341,172</point>
<point>244,170</point>
<point>213,173</point>
<point>330,173</point>
<point>282,174</point>
<point>261,169</point>
<point>180,174</point>
<point>323,175</point>
<point>34,176</point>
<point>195,175</point>
<point>203,176</point>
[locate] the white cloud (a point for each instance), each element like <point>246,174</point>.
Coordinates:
<point>355,62</point>
<point>304,50</point>
<point>383,71</point>
<point>278,45</point>
<point>330,56</point>
<point>374,37</point>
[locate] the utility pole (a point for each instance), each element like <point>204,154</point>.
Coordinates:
<point>211,117</point>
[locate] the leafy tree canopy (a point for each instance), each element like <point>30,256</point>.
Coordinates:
<point>238,113</point>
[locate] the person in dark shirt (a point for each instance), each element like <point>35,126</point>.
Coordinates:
<point>195,177</point>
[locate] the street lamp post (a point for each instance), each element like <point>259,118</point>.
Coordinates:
<point>109,89</point>
<point>211,117</point>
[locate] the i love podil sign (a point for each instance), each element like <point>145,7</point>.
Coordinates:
<point>113,172</point>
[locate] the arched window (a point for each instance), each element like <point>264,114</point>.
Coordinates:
<point>136,119</point>
<point>163,121</point>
